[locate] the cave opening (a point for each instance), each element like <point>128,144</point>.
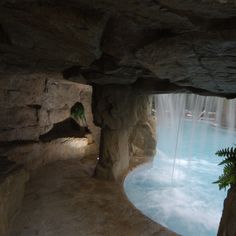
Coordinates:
<point>177,189</point>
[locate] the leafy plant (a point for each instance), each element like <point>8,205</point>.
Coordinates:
<point>228,177</point>
<point>78,110</point>
<point>78,113</point>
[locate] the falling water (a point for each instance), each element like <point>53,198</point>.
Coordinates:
<point>174,109</point>
<point>177,190</point>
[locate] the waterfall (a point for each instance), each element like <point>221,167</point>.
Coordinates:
<point>177,189</point>
<point>174,109</point>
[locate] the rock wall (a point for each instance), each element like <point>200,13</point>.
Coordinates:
<point>124,116</point>
<point>29,106</point>
<point>33,155</point>
<point>227,223</point>
<point>143,138</point>
<point>12,189</point>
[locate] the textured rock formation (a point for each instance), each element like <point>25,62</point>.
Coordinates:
<point>207,9</point>
<point>34,155</point>
<point>188,59</point>
<point>123,115</point>
<point>143,138</point>
<point>191,43</point>
<point>30,106</point>
<point>42,37</point>
<point>227,224</point>
<point>12,187</point>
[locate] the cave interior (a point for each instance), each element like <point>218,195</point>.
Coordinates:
<point>111,57</point>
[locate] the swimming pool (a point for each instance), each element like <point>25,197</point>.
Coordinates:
<point>176,190</point>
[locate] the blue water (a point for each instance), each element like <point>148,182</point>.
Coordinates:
<point>183,198</point>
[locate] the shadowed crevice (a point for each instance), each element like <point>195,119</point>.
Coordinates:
<point>65,129</point>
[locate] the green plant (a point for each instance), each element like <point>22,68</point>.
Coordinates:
<point>78,113</point>
<point>228,177</point>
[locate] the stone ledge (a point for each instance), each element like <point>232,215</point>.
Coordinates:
<point>34,155</point>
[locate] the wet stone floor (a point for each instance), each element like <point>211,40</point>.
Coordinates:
<point>63,199</point>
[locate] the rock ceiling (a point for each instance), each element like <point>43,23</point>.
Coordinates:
<point>153,45</point>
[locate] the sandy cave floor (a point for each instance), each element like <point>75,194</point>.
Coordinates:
<point>63,199</point>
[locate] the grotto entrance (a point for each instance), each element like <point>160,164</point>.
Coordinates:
<point>177,190</point>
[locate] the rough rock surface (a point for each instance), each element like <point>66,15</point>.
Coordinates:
<point>34,155</point>
<point>188,59</point>
<point>63,199</point>
<point>12,188</point>
<point>42,37</point>
<point>30,105</point>
<point>227,224</point>
<point>100,41</point>
<point>143,138</point>
<point>122,115</point>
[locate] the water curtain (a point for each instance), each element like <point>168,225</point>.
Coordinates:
<point>175,109</point>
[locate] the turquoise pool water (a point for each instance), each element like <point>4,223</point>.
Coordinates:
<point>182,197</point>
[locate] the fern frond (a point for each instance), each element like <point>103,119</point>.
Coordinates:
<point>228,160</point>
<point>229,172</point>
<point>224,181</point>
<point>226,152</point>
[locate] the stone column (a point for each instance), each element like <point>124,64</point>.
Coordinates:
<point>114,154</point>
<point>117,110</point>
